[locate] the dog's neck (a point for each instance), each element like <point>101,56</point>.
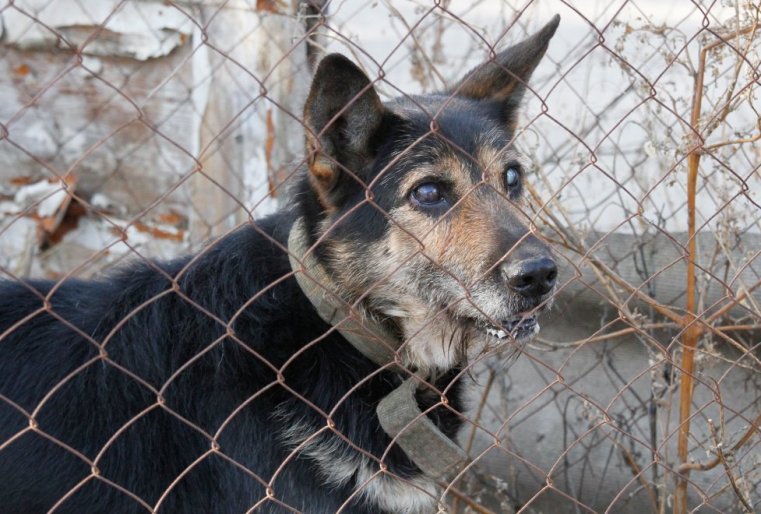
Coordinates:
<point>369,337</point>
<point>398,413</point>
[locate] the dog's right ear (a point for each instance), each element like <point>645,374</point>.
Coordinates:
<point>342,113</point>
<point>503,79</point>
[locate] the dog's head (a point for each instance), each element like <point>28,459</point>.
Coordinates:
<point>416,205</point>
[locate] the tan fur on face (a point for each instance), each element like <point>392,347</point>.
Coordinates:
<point>463,245</point>
<point>465,240</point>
<point>458,251</point>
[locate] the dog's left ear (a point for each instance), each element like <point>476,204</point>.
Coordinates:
<point>504,78</point>
<point>342,114</point>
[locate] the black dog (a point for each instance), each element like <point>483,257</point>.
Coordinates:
<point>213,384</point>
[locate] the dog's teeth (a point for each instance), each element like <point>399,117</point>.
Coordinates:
<point>498,333</point>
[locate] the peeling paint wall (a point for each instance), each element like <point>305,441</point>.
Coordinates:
<point>165,124</point>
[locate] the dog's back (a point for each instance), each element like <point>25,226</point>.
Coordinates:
<point>212,384</point>
<point>127,382</point>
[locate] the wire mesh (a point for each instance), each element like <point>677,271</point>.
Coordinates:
<point>133,133</point>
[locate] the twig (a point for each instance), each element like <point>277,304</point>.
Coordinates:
<point>459,495</point>
<point>739,298</point>
<point>692,330</point>
<point>607,336</point>
<point>637,472</point>
<point>755,426</point>
<point>479,411</point>
<point>720,455</point>
<point>734,142</point>
<point>472,437</point>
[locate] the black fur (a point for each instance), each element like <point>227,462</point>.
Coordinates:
<point>157,339</point>
<point>167,381</point>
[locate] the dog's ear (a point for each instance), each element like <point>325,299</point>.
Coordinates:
<point>504,78</point>
<point>342,113</point>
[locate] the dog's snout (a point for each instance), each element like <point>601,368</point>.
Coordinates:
<point>531,277</point>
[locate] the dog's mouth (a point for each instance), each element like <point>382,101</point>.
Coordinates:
<point>520,328</point>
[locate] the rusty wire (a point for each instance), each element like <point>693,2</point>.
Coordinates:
<point>637,396</point>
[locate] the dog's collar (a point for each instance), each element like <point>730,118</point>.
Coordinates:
<point>365,334</point>
<point>398,412</point>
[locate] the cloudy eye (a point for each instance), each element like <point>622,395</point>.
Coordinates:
<point>428,194</point>
<point>512,176</point>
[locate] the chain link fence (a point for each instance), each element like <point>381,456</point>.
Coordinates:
<point>139,130</point>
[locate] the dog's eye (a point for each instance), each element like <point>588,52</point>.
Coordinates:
<point>512,176</point>
<point>428,194</point>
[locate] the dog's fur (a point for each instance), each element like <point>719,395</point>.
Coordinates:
<point>203,384</point>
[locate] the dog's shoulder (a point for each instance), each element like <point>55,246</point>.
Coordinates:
<point>148,316</point>
<point>159,353</point>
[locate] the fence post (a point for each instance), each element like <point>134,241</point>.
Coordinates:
<point>249,136</point>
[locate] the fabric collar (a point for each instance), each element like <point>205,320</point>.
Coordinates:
<point>400,416</point>
<point>369,337</point>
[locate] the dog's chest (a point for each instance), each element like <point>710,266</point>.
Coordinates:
<point>339,465</point>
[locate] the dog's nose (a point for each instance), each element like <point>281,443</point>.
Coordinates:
<point>531,277</point>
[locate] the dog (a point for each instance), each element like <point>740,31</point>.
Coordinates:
<point>224,382</point>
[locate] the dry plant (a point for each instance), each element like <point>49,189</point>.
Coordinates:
<point>643,393</point>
